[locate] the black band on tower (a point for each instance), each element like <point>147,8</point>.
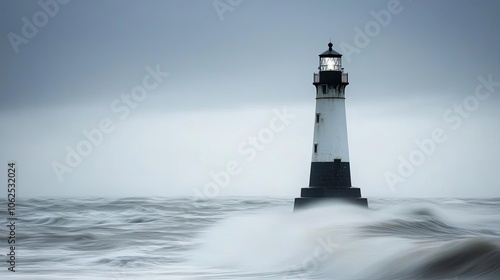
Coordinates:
<point>330,174</point>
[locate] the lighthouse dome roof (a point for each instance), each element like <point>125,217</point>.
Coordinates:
<point>330,52</point>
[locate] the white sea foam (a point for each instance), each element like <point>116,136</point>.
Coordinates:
<point>414,240</point>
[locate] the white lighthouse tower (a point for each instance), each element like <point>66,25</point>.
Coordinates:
<point>330,177</point>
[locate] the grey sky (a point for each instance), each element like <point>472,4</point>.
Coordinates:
<point>227,74</point>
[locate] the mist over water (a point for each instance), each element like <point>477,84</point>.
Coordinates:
<point>256,238</point>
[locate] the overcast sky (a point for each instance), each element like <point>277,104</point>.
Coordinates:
<point>179,88</point>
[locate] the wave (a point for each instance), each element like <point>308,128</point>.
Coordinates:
<point>422,223</point>
<point>420,241</point>
<point>475,257</point>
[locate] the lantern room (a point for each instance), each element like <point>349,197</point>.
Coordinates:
<point>330,69</point>
<point>330,60</point>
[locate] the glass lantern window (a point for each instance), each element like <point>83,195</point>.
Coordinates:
<point>331,64</point>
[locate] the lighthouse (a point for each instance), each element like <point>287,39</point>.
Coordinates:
<point>330,177</point>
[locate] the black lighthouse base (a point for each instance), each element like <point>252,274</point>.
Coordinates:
<point>314,195</point>
<point>330,182</point>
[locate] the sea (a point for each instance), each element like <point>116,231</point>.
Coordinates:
<point>252,238</point>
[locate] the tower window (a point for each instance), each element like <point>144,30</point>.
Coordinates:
<point>317,118</point>
<point>315,148</point>
<point>323,89</point>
